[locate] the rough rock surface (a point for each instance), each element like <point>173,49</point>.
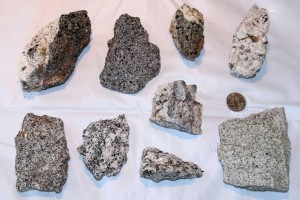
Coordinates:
<point>249,46</point>
<point>187,28</point>
<point>105,146</point>
<point>174,106</point>
<point>158,166</point>
<point>255,151</point>
<point>41,154</point>
<point>50,58</point>
<point>131,60</point>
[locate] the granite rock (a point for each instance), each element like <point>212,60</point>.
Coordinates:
<point>41,154</point>
<point>255,151</point>
<point>105,146</point>
<point>187,28</point>
<point>158,166</point>
<point>50,58</point>
<point>131,60</point>
<point>249,46</point>
<point>174,106</point>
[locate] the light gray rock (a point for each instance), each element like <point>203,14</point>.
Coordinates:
<point>249,46</point>
<point>187,28</point>
<point>105,146</point>
<point>158,166</point>
<point>174,106</point>
<point>255,151</point>
<point>41,154</point>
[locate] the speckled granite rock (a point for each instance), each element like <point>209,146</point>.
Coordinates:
<point>187,28</point>
<point>131,60</point>
<point>50,58</point>
<point>255,151</point>
<point>158,166</point>
<point>105,146</point>
<point>249,46</point>
<point>41,154</point>
<point>174,106</point>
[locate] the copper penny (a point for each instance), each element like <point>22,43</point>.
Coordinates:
<point>236,102</point>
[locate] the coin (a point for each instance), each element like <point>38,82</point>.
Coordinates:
<point>236,102</point>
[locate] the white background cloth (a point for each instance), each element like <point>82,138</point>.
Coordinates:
<point>82,99</point>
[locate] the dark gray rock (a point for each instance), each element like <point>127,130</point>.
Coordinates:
<point>255,151</point>
<point>105,146</point>
<point>158,166</point>
<point>41,154</point>
<point>50,58</point>
<point>174,106</point>
<point>187,28</point>
<point>131,60</point>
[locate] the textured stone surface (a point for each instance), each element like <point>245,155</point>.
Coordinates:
<point>187,28</point>
<point>158,166</point>
<point>174,106</point>
<point>250,44</point>
<point>105,146</point>
<point>255,151</point>
<point>50,58</point>
<point>131,60</point>
<point>41,154</point>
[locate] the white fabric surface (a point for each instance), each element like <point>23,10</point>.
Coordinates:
<point>83,100</point>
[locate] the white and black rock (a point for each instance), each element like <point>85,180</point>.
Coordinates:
<point>255,151</point>
<point>158,166</point>
<point>174,106</point>
<point>50,58</point>
<point>105,146</point>
<point>249,45</point>
<point>131,60</point>
<point>187,28</point>
<point>41,154</point>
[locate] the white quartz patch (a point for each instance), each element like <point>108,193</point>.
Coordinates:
<point>191,14</point>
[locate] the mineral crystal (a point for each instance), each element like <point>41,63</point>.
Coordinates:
<point>255,151</point>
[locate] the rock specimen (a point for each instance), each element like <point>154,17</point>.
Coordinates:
<point>187,28</point>
<point>105,146</point>
<point>50,58</point>
<point>131,60</point>
<point>174,106</point>
<point>255,151</point>
<point>41,154</point>
<point>249,46</point>
<point>158,166</point>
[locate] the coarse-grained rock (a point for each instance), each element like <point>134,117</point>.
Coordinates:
<point>50,58</point>
<point>105,146</point>
<point>131,60</point>
<point>249,45</point>
<point>158,166</point>
<point>187,28</point>
<point>41,154</point>
<point>174,106</point>
<point>255,151</point>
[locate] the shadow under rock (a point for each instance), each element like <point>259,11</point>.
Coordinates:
<point>167,183</point>
<point>196,62</point>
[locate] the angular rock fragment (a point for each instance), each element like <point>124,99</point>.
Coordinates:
<point>158,166</point>
<point>249,46</point>
<point>105,146</point>
<point>50,58</point>
<point>174,106</point>
<point>131,60</point>
<point>255,151</point>
<point>187,28</point>
<point>41,154</point>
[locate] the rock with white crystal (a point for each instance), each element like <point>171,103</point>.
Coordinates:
<point>174,106</point>
<point>158,166</point>
<point>249,46</point>
<point>255,151</point>
<point>187,28</point>
<point>105,146</point>
<point>41,154</point>
<point>50,58</point>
